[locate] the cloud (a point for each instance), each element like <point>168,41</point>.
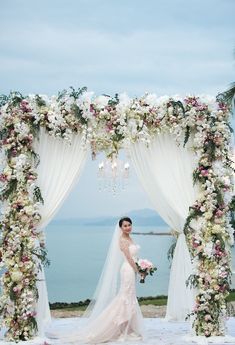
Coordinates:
<point>156,46</point>
<point>119,16</point>
<point>138,61</point>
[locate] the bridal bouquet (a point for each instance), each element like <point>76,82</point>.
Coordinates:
<point>145,266</point>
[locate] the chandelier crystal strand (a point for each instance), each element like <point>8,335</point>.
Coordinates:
<point>126,172</point>
<point>100,176</point>
<point>113,175</point>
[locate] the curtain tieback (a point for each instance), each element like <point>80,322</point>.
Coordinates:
<point>177,234</point>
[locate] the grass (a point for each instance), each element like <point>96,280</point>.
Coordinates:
<point>231,296</point>
<point>158,300</point>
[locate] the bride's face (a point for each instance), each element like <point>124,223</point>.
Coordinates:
<point>126,227</point>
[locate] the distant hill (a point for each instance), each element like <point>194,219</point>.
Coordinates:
<point>140,217</point>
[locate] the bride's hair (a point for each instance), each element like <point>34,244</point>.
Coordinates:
<point>123,219</point>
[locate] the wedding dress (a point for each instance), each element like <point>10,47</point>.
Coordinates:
<point>120,319</point>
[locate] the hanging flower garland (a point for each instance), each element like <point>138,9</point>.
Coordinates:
<point>109,124</point>
<point>209,226</point>
<point>22,248</point>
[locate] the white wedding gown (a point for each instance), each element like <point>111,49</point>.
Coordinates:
<point>121,320</point>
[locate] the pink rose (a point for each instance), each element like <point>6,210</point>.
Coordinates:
<point>207,317</point>
<point>219,213</point>
<point>204,172</point>
<point>3,177</point>
<point>145,264</point>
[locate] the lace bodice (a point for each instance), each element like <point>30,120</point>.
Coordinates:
<point>134,248</point>
<point>129,251</point>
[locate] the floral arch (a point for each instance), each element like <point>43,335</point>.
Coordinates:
<point>109,124</point>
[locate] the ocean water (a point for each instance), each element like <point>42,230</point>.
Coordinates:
<point>77,254</point>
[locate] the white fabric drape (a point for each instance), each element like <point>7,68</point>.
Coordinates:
<point>59,170</point>
<point>165,171</point>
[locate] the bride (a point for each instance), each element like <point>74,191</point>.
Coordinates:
<point>114,313</point>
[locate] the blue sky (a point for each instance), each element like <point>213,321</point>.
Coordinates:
<point>166,47</point>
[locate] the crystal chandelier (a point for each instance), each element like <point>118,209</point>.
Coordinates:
<point>113,175</point>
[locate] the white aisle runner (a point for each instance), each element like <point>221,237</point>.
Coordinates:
<point>159,332</point>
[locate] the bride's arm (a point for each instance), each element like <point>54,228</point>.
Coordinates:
<point>124,246</point>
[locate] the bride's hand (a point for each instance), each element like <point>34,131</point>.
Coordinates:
<point>142,274</point>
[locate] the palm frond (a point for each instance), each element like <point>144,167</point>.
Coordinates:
<point>228,96</point>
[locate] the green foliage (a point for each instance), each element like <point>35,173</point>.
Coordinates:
<point>33,323</point>
<point>196,176</point>
<point>230,128</point>
<point>219,196</point>
<point>220,238</point>
<point>35,292</point>
<point>177,105</point>
<point>152,270</point>
<point>3,100</point>
<point>192,214</point>
<point>37,195</point>
<point>192,281</point>
<point>77,112</point>
<point>230,309</point>
<point>3,133</point>
<point>77,93</point>
<point>12,294</point>
<point>9,190</point>
<point>74,93</point>
<point>113,101</point>
<point>15,98</point>
<point>117,137</point>
<point>40,102</point>
<point>36,157</point>
<point>34,128</point>
<point>41,254</point>
<point>232,212</point>
<point>187,135</point>
<point>170,252</point>
<point>210,149</point>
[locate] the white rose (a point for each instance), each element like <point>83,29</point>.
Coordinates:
<point>208,215</point>
<point>16,276</point>
<point>29,210</point>
<point>124,99</point>
<point>208,249</point>
<point>101,101</point>
<point>162,100</point>
<point>151,99</point>
<point>226,180</point>
<point>86,97</point>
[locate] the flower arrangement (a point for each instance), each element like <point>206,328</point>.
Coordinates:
<point>109,124</point>
<point>208,227</point>
<point>146,267</point>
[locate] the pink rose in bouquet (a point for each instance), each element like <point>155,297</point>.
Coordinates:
<point>146,267</point>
